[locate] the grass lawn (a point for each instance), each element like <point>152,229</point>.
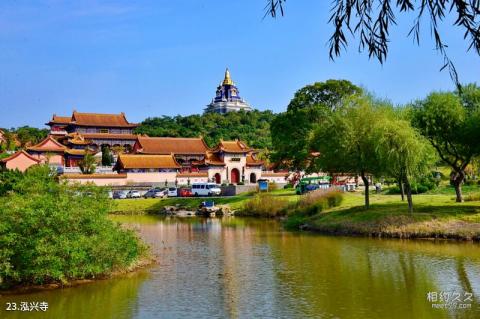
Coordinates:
<point>437,216</point>
<point>154,205</point>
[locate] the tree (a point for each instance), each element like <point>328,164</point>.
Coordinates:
<point>56,232</point>
<point>107,158</point>
<point>452,129</point>
<point>470,96</point>
<point>30,135</point>
<point>87,165</point>
<point>371,21</point>
<point>403,153</point>
<point>8,178</point>
<point>330,94</point>
<point>345,141</point>
<point>9,144</point>
<point>251,127</point>
<point>291,131</point>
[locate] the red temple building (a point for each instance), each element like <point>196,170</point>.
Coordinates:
<point>113,130</point>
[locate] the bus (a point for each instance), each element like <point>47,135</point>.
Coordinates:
<point>308,184</point>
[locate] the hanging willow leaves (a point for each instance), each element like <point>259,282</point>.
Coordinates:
<point>371,20</point>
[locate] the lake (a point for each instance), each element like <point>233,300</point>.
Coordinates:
<point>251,268</point>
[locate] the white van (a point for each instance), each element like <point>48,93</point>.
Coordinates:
<point>205,189</point>
<point>172,192</point>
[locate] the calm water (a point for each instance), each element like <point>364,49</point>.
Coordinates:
<point>244,268</point>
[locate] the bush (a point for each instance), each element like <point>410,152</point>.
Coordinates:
<point>51,232</point>
<point>322,198</point>
<point>288,186</point>
<point>474,197</point>
<point>294,222</point>
<point>8,178</point>
<point>272,186</point>
<point>265,205</point>
<point>421,186</point>
<point>470,182</point>
<point>311,204</point>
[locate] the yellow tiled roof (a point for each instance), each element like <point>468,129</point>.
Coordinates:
<point>171,145</point>
<point>127,161</point>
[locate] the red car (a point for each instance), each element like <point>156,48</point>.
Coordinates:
<point>185,192</point>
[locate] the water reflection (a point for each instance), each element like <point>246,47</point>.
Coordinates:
<point>247,268</point>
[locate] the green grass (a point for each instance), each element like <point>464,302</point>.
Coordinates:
<point>155,205</point>
<point>446,189</point>
<point>437,216</point>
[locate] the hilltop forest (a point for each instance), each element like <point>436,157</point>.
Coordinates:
<point>250,127</point>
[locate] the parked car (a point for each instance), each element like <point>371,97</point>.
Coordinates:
<point>155,193</point>
<point>133,194</point>
<point>172,192</point>
<point>120,194</point>
<point>185,192</point>
<point>205,189</point>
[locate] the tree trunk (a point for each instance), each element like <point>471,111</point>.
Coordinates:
<point>457,183</point>
<point>408,190</point>
<point>402,190</point>
<point>367,192</point>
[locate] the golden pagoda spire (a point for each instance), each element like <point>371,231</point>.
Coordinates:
<point>227,80</point>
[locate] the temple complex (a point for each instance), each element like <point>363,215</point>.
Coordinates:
<point>227,98</point>
<point>139,159</point>
<point>99,129</point>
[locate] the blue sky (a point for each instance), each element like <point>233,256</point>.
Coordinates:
<point>153,58</point>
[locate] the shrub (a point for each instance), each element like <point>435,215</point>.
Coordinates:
<point>294,222</point>
<point>474,197</point>
<point>469,182</point>
<point>329,197</point>
<point>51,232</point>
<point>418,187</point>
<point>8,178</point>
<point>272,186</point>
<point>288,186</point>
<point>316,201</point>
<point>311,204</point>
<point>265,205</point>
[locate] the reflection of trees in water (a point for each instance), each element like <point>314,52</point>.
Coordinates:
<point>103,299</point>
<point>346,277</point>
<point>462,275</point>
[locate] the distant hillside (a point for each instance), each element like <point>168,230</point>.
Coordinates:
<point>251,127</point>
<point>21,137</point>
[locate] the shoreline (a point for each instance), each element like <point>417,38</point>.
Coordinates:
<point>141,264</point>
<point>390,220</point>
<point>378,234</point>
